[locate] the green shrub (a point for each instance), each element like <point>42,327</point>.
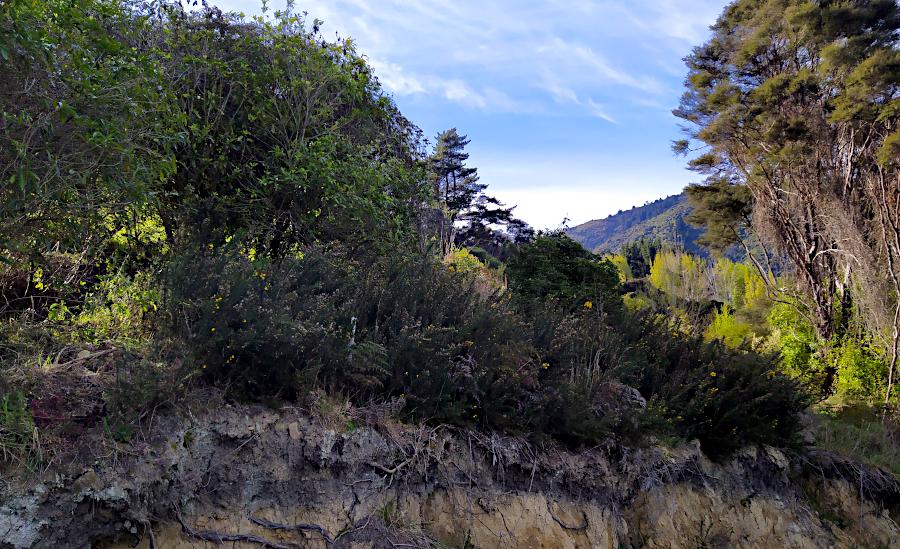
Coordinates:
<point>396,327</point>
<point>18,436</point>
<point>253,325</point>
<point>724,398</point>
<point>726,328</point>
<point>555,266</point>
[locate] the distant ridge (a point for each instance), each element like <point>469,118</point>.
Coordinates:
<point>663,219</point>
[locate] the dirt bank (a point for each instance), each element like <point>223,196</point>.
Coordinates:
<point>253,477</point>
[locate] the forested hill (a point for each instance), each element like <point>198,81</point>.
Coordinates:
<point>663,219</point>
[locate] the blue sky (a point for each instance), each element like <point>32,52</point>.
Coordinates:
<point>567,102</point>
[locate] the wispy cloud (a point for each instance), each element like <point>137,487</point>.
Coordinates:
<point>599,111</point>
<point>593,66</point>
<point>567,96</point>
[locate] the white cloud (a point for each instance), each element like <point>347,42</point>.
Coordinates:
<point>599,111</point>
<point>459,91</point>
<point>560,94</point>
<point>591,65</point>
<point>394,78</point>
<point>567,96</point>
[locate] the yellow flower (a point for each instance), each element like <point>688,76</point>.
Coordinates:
<point>712,374</point>
<point>212,329</point>
<point>588,304</point>
<point>545,365</point>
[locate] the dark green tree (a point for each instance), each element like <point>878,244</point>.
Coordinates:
<point>639,255</point>
<point>555,266</point>
<point>288,138</point>
<point>797,100</point>
<point>470,215</point>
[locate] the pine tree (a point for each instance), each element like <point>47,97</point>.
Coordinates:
<point>469,214</point>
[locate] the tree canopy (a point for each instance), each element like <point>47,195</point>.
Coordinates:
<point>797,103</point>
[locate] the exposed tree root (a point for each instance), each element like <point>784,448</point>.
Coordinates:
<point>219,538</point>
<point>299,527</point>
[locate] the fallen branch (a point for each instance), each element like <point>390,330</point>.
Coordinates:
<point>83,358</point>
<point>219,539</point>
<point>299,527</point>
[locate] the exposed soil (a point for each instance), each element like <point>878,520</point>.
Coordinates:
<point>253,477</point>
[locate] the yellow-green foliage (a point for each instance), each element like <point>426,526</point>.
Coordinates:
<point>621,265</point>
<point>116,308</point>
<point>737,284</point>
<point>637,302</point>
<point>795,339</point>
<point>679,275</point>
<point>145,231</point>
<point>860,364</point>
<point>461,260</point>
<point>861,369</point>
<point>726,328</point>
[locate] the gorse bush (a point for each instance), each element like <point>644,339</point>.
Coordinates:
<point>408,328</point>
<point>254,325</point>
<point>413,327</point>
<point>724,398</point>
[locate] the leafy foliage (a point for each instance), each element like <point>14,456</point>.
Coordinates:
<point>555,266</point>
<point>795,105</point>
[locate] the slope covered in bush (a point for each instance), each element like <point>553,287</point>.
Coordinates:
<point>262,218</point>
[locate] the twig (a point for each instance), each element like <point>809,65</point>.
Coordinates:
<point>83,358</point>
<point>352,530</point>
<point>149,528</point>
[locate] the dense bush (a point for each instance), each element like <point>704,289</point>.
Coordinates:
<point>724,398</point>
<point>555,266</point>
<point>413,327</point>
<point>243,195</point>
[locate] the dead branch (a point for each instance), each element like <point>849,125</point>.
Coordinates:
<point>84,357</point>
<point>387,471</point>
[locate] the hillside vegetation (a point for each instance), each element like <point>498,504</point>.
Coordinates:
<point>196,200</point>
<point>662,220</point>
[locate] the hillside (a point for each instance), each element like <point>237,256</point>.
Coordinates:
<point>663,219</point>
